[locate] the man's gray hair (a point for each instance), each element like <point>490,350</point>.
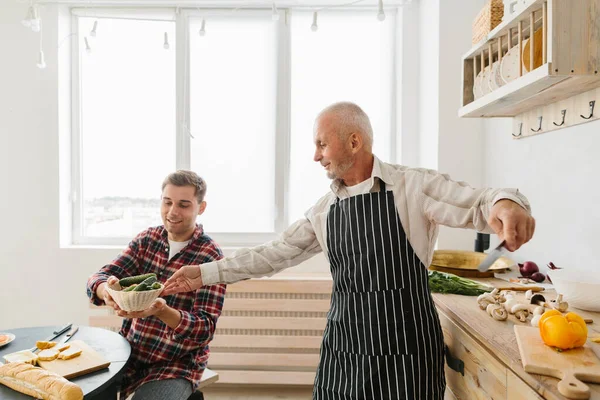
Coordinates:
<point>352,119</point>
<point>187,178</point>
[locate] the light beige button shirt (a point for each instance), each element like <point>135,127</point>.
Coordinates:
<point>424,199</point>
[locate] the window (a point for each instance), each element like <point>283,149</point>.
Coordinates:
<point>348,59</point>
<point>127,127</point>
<point>236,105</point>
<point>233,100</point>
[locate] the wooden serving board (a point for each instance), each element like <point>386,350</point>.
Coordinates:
<point>572,367</point>
<point>465,263</point>
<point>88,361</point>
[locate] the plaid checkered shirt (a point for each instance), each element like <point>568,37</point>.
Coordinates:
<point>157,351</point>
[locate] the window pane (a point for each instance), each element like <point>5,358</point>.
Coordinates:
<point>349,58</point>
<point>233,104</point>
<point>128,124</point>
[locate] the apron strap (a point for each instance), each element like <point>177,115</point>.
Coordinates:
<point>381,185</point>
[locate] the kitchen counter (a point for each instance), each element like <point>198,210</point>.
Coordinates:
<point>489,350</point>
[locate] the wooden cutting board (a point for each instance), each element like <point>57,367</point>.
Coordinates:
<point>570,366</point>
<point>465,263</point>
<point>88,361</point>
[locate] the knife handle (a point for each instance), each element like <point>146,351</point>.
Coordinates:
<point>72,331</point>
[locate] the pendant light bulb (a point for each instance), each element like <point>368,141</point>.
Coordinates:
<point>314,25</point>
<point>275,13</point>
<point>88,49</point>
<point>166,44</point>
<point>35,25</point>
<point>41,64</point>
<point>93,31</point>
<point>28,17</point>
<point>35,19</point>
<point>380,13</point>
<point>202,31</point>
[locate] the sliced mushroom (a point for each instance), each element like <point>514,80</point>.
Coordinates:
<point>510,303</point>
<point>521,311</point>
<point>484,300</point>
<point>497,312</point>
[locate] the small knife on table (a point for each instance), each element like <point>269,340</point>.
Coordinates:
<point>54,335</point>
<point>492,256</point>
<point>68,336</point>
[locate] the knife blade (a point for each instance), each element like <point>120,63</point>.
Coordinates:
<point>54,335</point>
<point>492,256</point>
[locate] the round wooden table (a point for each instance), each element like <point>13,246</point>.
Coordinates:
<point>96,385</point>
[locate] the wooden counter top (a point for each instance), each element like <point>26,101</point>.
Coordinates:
<point>498,337</point>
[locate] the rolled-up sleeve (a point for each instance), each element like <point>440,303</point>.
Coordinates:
<point>458,205</point>
<point>125,264</point>
<point>297,244</point>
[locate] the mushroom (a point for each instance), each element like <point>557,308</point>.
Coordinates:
<point>529,294</point>
<point>521,311</point>
<point>558,304</point>
<point>510,302</point>
<point>537,315</point>
<point>497,312</point>
<point>538,300</point>
<point>485,299</point>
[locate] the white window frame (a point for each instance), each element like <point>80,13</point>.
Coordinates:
<point>183,140</point>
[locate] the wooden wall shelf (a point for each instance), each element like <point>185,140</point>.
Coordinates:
<point>559,71</point>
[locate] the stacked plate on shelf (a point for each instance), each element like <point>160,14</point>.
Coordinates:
<point>507,69</point>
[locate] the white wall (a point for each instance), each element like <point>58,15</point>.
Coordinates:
<point>559,173</point>
<point>447,143</point>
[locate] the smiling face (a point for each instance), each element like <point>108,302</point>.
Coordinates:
<point>333,152</point>
<point>179,209</point>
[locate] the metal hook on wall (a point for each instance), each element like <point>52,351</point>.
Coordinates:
<point>539,127</point>
<point>563,113</point>
<point>592,103</point>
<point>520,130</point>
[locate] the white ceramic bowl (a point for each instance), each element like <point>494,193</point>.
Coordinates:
<point>579,288</point>
<point>134,301</point>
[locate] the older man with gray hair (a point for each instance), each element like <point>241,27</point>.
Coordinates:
<point>377,226</point>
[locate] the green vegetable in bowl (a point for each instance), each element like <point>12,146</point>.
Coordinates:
<point>135,279</point>
<point>146,284</point>
<point>442,282</point>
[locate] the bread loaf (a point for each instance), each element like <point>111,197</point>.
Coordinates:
<point>37,382</point>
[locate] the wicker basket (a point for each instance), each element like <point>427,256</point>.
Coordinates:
<point>487,19</point>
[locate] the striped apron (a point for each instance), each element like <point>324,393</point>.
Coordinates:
<point>383,338</point>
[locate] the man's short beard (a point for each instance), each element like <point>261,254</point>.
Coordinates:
<point>341,169</point>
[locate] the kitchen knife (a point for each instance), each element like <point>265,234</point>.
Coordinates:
<point>492,256</point>
<point>68,336</point>
<point>54,335</point>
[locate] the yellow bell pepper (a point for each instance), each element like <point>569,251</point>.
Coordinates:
<point>564,332</point>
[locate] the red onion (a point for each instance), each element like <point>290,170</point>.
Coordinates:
<point>528,268</point>
<point>538,277</point>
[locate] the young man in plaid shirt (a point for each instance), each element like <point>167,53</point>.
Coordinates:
<point>169,341</point>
